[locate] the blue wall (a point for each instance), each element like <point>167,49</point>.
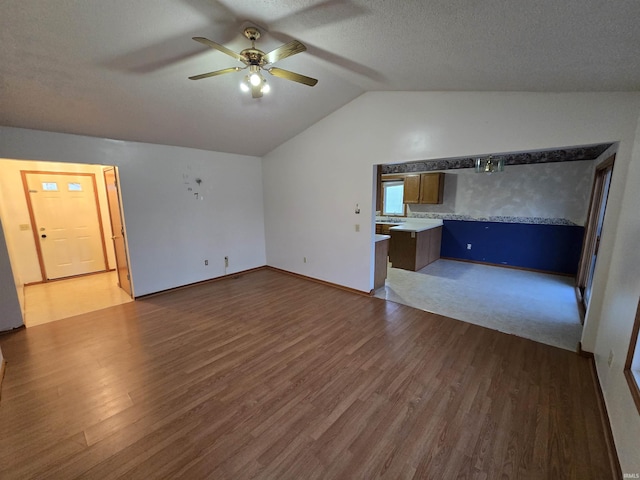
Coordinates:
<point>552,248</point>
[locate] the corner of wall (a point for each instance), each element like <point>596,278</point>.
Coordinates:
<point>11,315</point>
<point>609,321</point>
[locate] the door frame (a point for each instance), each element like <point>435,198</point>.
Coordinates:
<point>32,217</point>
<point>590,244</point>
<point>120,213</point>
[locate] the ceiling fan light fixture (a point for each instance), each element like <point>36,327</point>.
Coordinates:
<point>247,85</point>
<point>255,79</point>
<point>489,165</point>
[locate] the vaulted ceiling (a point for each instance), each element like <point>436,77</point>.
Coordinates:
<point>118,69</point>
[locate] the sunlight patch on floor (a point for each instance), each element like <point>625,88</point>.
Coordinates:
<point>52,301</point>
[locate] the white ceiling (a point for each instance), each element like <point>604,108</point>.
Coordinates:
<point>118,68</point>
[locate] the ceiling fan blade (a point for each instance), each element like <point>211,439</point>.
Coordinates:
<point>284,51</point>
<point>217,72</point>
<point>296,77</point>
<point>221,48</point>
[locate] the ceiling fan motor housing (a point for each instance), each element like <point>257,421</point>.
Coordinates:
<point>253,56</point>
<point>252,33</point>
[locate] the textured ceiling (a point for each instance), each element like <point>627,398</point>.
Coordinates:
<point>118,69</point>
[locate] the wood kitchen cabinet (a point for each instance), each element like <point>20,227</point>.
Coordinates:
<point>411,189</point>
<point>431,188</point>
<point>382,254</point>
<point>424,188</point>
<point>414,250</point>
<point>379,188</point>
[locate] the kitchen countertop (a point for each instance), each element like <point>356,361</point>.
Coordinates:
<point>381,237</point>
<point>417,227</point>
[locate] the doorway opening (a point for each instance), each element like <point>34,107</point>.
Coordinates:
<point>525,198</point>
<point>64,230</point>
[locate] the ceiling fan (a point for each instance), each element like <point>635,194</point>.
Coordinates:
<point>256,60</point>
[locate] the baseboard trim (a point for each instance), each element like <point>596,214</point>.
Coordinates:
<point>323,282</point>
<point>584,353</point>
<point>13,330</point>
<point>514,267</point>
<point>614,461</point>
<point>69,278</point>
<point>201,282</point>
<point>256,269</point>
<point>3,365</point>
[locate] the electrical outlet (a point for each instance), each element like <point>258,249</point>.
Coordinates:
<point>226,261</point>
<point>468,246</point>
<point>357,227</point>
<point>206,262</point>
<point>304,259</point>
<point>610,361</point>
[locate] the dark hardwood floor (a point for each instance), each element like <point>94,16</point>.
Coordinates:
<point>274,377</point>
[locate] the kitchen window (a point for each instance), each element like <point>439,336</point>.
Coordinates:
<point>632,365</point>
<point>392,198</point>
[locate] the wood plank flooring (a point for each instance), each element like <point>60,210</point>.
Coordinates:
<point>268,376</point>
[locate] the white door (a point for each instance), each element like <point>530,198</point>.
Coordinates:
<point>67,223</point>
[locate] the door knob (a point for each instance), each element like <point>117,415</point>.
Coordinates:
<point>44,235</point>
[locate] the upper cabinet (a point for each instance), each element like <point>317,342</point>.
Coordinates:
<point>431,187</point>
<point>425,188</point>
<point>411,189</point>
<point>379,188</point>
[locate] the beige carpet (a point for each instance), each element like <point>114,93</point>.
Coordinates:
<point>538,306</point>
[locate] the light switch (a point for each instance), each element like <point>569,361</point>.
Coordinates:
<point>357,227</point>
<point>25,226</point>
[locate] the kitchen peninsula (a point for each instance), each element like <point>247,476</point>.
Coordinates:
<point>382,253</point>
<point>415,245</point>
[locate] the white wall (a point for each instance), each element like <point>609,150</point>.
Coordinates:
<point>14,211</point>
<point>327,169</point>
<point>10,312</point>
<point>616,313</point>
<point>170,233</point>
<point>11,249</point>
<point>547,190</point>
